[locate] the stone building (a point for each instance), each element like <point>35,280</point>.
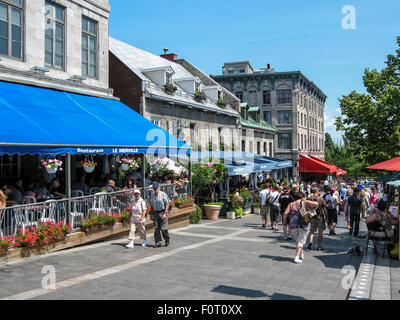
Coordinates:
<point>288,101</point>
<point>58,44</point>
<point>163,90</point>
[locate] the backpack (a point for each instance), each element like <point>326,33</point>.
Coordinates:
<point>329,203</point>
<point>300,218</point>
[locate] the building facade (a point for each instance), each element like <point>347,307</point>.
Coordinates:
<point>58,44</point>
<point>176,96</point>
<point>288,101</point>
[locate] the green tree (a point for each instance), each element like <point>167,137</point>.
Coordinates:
<point>371,121</point>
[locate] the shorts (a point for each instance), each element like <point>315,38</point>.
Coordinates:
<point>300,235</point>
<point>265,211</point>
<point>317,224</point>
<point>332,216</point>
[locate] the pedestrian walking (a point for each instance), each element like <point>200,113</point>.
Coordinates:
<point>320,221</point>
<point>274,205</point>
<point>284,200</point>
<point>265,208</point>
<point>159,202</point>
<point>298,229</point>
<point>354,203</point>
<point>346,207</point>
<point>373,197</point>
<point>138,219</point>
<point>365,204</point>
<point>331,204</point>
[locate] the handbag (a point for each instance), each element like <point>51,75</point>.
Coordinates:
<point>306,215</point>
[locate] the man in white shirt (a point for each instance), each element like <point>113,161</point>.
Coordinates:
<point>274,211</point>
<point>264,205</point>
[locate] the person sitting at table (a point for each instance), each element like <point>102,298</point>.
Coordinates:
<point>380,223</point>
<point>183,178</point>
<point>56,190</point>
<point>129,184</point>
<point>19,185</point>
<point>81,185</point>
<point>40,190</point>
<point>167,180</point>
<point>110,187</point>
<point>29,191</point>
<point>3,200</point>
<point>177,182</point>
<point>14,197</point>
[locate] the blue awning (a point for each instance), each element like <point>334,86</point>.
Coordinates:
<point>239,162</point>
<point>50,122</point>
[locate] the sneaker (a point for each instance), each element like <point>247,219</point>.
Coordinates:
<point>297,260</point>
<point>157,245</point>
<point>263,225</point>
<point>130,246</point>
<point>320,249</point>
<point>144,244</point>
<point>167,243</point>
<point>309,246</point>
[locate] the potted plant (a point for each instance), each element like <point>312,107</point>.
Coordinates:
<point>124,216</point>
<point>52,165</point>
<point>239,212</point>
<point>128,165</point>
<point>199,96</point>
<point>5,243</point>
<point>195,217</point>
<point>247,197</point>
<point>222,103</point>
<point>88,165</point>
<point>170,88</point>
<point>205,178</point>
<point>256,207</point>
<point>212,210</point>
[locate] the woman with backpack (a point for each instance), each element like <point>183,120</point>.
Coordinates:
<point>299,227</point>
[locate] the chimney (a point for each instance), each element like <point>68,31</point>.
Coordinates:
<point>268,66</point>
<point>169,56</point>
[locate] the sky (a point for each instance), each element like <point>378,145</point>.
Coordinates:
<point>291,35</point>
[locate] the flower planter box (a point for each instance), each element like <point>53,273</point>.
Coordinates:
<point>51,170</point>
<point>124,167</point>
<point>3,250</point>
<point>184,204</point>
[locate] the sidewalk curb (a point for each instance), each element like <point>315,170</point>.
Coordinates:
<point>362,286</point>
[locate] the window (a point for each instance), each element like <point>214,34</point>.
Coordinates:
<point>244,145</point>
<point>285,141</point>
<point>11,28</point>
<point>54,36</point>
<point>267,116</point>
<point>9,166</point>
<point>266,97</point>
<point>302,144</point>
<point>156,121</point>
<point>284,117</point>
<point>265,148</point>
<point>89,47</point>
<point>208,135</point>
<point>168,78</point>
<point>252,98</point>
<point>284,96</point>
<point>258,147</point>
<point>302,119</point>
<point>242,71</point>
<point>270,150</point>
<point>239,95</point>
<point>192,133</point>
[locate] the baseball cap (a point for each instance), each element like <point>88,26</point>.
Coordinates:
<point>136,191</point>
<point>156,185</point>
<point>333,189</point>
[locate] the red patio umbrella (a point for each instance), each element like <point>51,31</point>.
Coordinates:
<point>390,165</point>
<point>341,172</point>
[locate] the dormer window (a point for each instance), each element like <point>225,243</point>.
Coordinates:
<point>168,78</point>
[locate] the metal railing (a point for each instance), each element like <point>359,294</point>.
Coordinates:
<point>16,219</point>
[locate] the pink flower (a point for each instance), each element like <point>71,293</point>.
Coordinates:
<point>215,181</point>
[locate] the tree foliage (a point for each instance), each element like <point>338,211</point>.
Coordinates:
<point>371,121</point>
<point>345,157</point>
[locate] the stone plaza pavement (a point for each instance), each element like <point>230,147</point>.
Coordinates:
<point>216,260</point>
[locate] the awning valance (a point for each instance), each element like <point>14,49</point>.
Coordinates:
<point>50,122</point>
<point>311,165</point>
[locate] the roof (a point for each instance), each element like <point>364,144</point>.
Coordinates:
<point>58,122</point>
<point>262,125</point>
<point>138,60</point>
<point>254,109</point>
